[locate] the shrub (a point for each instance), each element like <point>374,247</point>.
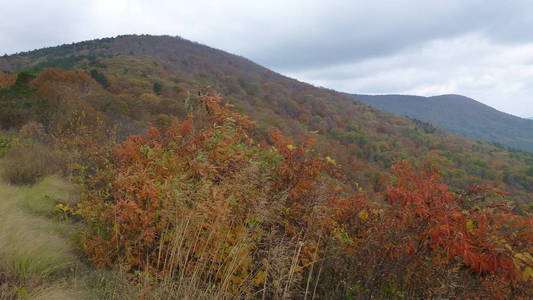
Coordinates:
<point>7,80</point>
<point>200,204</point>
<point>26,162</point>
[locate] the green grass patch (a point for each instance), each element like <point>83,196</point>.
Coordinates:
<point>43,198</point>
<point>36,254</point>
<point>30,246</point>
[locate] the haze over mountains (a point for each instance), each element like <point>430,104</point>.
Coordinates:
<point>460,115</point>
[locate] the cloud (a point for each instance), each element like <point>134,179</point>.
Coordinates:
<point>473,65</point>
<point>28,25</point>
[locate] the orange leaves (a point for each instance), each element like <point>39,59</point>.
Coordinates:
<point>7,80</point>
<point>230,192</point>
<point>473,236</point>
<point>59,75</point>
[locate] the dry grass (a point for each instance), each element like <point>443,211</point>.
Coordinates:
<point>27,162</point>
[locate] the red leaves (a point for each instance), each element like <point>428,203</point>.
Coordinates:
<point>471,235</point>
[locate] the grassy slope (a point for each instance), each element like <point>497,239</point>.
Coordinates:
<point>35,253</point>
<point>38,260</point>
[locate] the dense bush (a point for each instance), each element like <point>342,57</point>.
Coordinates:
<point>23,79</point>
<point>201,202</point>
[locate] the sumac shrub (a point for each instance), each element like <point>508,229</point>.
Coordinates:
<point>201,201</point>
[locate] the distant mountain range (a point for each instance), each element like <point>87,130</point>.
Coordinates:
<point>460,115</point>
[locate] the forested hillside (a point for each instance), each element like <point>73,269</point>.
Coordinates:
<point>148,79</point>
<point>460,115</point>
<point>204,175</point>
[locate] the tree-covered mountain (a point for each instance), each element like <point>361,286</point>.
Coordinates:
<point>460,115</point>
<point>144,80</point>
<point>204,175</point>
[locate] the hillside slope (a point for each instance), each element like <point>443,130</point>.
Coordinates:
<point>461,115</point>
<point>131,81</point>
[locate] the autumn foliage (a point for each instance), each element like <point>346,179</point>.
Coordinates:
<point>202,203</point>
<point>207,204</point>
<point>7,80</point>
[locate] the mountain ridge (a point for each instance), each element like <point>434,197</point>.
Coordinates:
<point>459,114</point>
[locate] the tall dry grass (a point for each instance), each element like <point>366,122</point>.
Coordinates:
<point>28,161</point>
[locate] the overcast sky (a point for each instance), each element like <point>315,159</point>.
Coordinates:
<point>480,49</point>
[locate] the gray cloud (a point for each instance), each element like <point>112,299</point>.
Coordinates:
<point>28,25</point>
<point>477,48</point>
<point>473,65</point>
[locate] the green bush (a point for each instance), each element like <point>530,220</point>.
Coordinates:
<point>27,162</point>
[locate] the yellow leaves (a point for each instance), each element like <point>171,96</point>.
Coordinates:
<point>331,160</point>
<point>524,261</point>
<point>470,226</point>
<point>259,278</point>
<point>65,209</point>
<point>363,215</point>
<point>291,147</point>
<point>149,98</point>
<point>524,257</point>
<point>528,273</point>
